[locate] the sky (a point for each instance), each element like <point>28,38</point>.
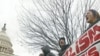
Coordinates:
<point>8,15</point>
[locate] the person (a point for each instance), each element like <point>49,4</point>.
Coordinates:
<point>63,46</point>
<point>41,54</point>
<point>46,51</point>
<point>92,17</point>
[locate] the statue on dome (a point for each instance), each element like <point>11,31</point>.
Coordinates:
<point>4,27</point>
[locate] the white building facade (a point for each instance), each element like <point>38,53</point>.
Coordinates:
<point>5,44</point>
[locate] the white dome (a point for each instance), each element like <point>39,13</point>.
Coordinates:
<point>3,36</point>
<point>5,44</point>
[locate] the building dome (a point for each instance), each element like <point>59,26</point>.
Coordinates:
<point>5,44</point>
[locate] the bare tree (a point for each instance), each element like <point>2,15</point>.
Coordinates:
<point>54,19</point>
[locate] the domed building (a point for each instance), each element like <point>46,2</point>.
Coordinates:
<point>5,44</point>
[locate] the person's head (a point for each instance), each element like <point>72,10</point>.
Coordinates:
<point>92,16</point>
<point>62,42</point>
<point>41,54</point>
<point>45,50</point>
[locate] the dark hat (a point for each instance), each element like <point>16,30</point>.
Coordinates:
<point>46,49</point>
<point>62,38</point>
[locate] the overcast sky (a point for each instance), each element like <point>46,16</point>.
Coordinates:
<point>8,15</point>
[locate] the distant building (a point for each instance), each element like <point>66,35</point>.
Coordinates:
<point>5,44</point>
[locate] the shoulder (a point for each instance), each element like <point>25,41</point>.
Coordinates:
<point>50,54</point>
<point>67,45</point>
